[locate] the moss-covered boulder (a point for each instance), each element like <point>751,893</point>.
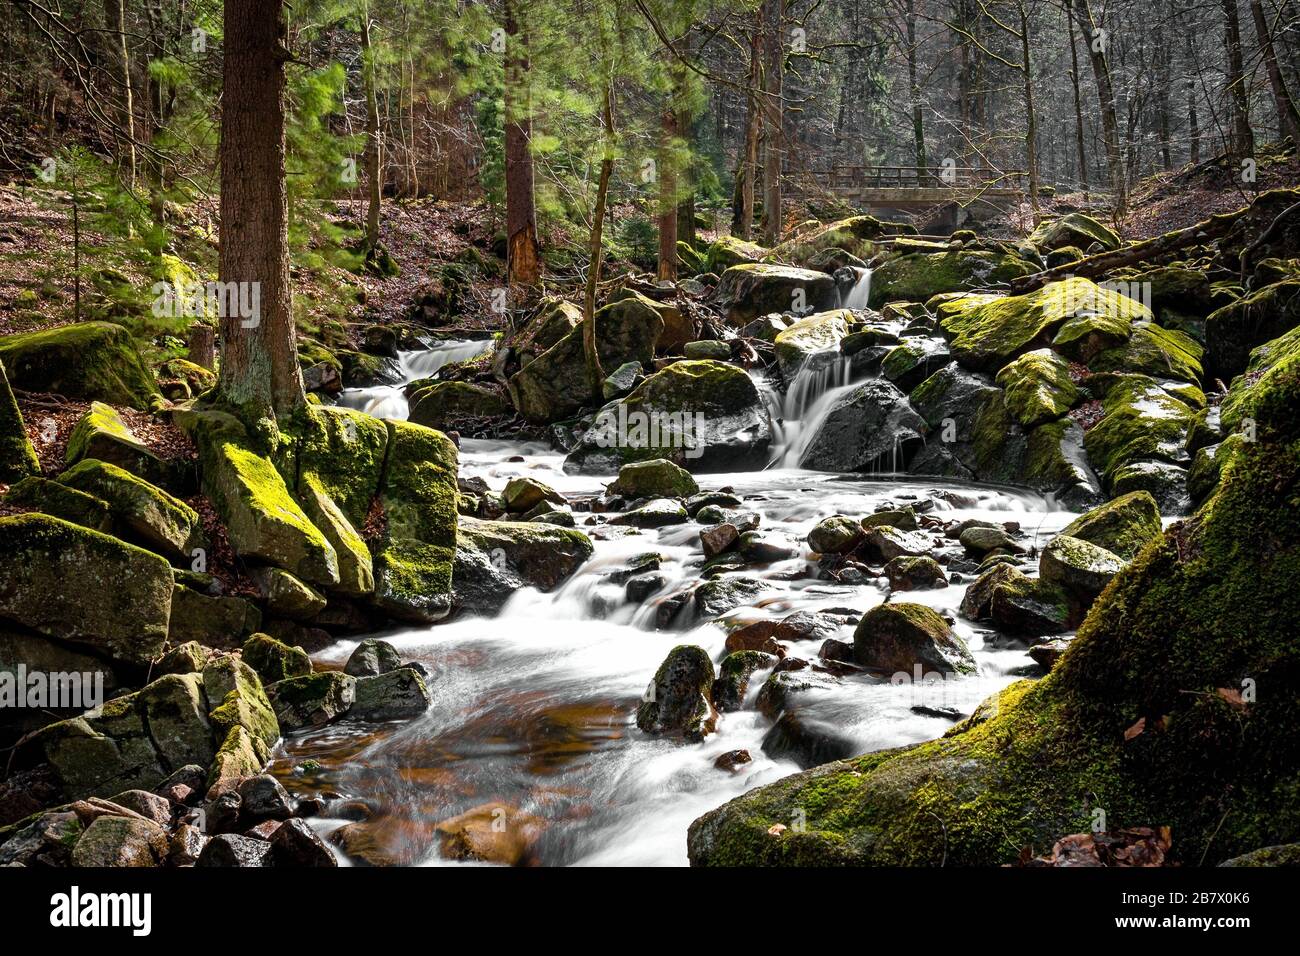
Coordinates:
<point>51,498</point>
<point>727,251</point>
<point>678,700</point>
<point>556,384</point>
<point>413,559</point>
<point>855,235</point>
<point>986,333</point>
<point>749,290</point>
<point>916,276</point>
<point>970,432</point>
<point>656,478</point>
<point>1038,387</point>
<point>734,674</point>
<point>1253,392</point>
<point>1081,568</point>
<point>312,700</point>
<point>447,405</point>
<point>1235,330</point>
<point>17,456</point>
<point>140,510</point>
<point>101,433</point>
<point>869,428</point>
<point>914,359</point>
<point>1123,526</point>
<point>210,619</point>
<point>286,596</point>
<point>553,319</point>
<point>899,637</point>
<point>237,698</point>
<point>817,334</point>
<point>236,759</point>
<point>1151,350</point>
<point>494,559</point>
<point>1142,421</point>
<point>399,694</point>
<point>913,573</point>
<point>93,361</point>
<point>81,586</point>
<point>1179,650</point>
<point>1074,229</point>
<point>704,416</point>
<point>837,534</point>
<point>274,660</point>
<point>266,524</point>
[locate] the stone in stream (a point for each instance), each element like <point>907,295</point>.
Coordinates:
<point>872,427</point>
<point>112,841</point>
<point>754,637</point>
<point>87,588</point>
<point>718,596</point>
<point>706,416</point>
<point>1123,526</point>
<point>312,700</point>
<point>234,850</point>
<point>657,513</point>
<point>523,494</point>
<point>716,499</point>
<point>1081,568</point>
<point>395,695</point>
<point>1046,655</point>
<point>810,338</point>
<point>904,519</point>
<point>622,380</point>
<point>641,587</point>
<point>496,558</point>
<point>678,699</point>
<point>898,637</point>
<point>656,478</point>
<point>264,798</point>
<point>733,677</point>
<point>372,657</point>
<point>913,573</point>
<point>911,362</point>
<point>286,596</point>
<point>1032,607</point>
<point>296,844</point>
<point>733,760</point>
<point>979,541</point>
<point>719,538</point>
<point>763,548</point>
<point>834,535</point>
<point>749,290</point>
<point>886,543</point>
<point>449,406</point>
<point>491,833</point>
<point>274,660</point>
<point>799,733</point>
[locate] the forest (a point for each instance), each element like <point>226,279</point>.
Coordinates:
<point>723,433</point>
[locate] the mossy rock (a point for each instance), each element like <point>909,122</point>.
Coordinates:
<point>913,360</point>
<point>679,698</point>
<point>210,620</point>
<point>657,478</point>
<point>987,333</point>
<point>313,700</point>
<point>286,596</point>
<point>899,637</point>
<point>1151,350</point>
<point>446,405</point>
<point>679,327</point>
<point>837,534</point>
<point>237,698</point>
<point>749,290</point>
<point>1173,640</point>
<point>808,337</point>
<point>1038,387</point>
<point>1255,391</point>
<point>705,416</point>
<point>17,456</point>
<point>553,319</point>
<point>917,276</point>
<point>142,511</point>
<point>236,759</point>
<point>413,560</point>
<point>734,674</point>
<point>81,586</point>
<point>60,501</point>
<point>93,361</point>
<point>1081,568</point>
<point>1074,229</point>
<point>399,694</point>
<point>101,433</point>
<point>1142,422</point>
<point>1235,330</point>
<point>1123,526</point>
<point>496,558</point>
<point>855,236</point>
<point>274,660</point>
<point>728,251</point>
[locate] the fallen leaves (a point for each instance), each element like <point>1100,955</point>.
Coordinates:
<point>1130,847</point>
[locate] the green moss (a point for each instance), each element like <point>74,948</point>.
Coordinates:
<point>1142,421</point>
<point>60,501</point>
<point>728,251</point>
<point>274,660</point>
<point>161,522</point>
<point>920,275</point>
<point>817,333</point>
<point>1151,350</point>
<point>1123,526</point>
<point>17,456</point>
<point>1074,229</point>
<point>1038,387</point>
<point>89,360</point>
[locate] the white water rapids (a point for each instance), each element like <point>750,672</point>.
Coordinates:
<point>535,708</point>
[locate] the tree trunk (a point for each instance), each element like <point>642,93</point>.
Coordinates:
<point>1096,40</point>
<point>773,113</point>
<point>1242,141</point>
<point>743,206</point>
<point>1031,124</point>
<point>918,117</point>
<point>115,14</point>
<point>1193,122</point>
<point>1288,119</point>
<point>202,346</point>
<point>667,195</point>
<point>259,362</point>
<point>590,349</point>
<point>373,183</point>
<point>523,259</point>
<point>1078,109</point>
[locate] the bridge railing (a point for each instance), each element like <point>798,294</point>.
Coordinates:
<point>923,177</point>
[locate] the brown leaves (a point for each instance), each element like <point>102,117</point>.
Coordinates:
<point>1134,846</point>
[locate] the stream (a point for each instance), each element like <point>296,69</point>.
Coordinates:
<point>535,708</point>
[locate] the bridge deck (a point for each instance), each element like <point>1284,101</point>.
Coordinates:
<point>906,186</point>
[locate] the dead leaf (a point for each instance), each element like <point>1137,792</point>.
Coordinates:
<point>1137,729</point>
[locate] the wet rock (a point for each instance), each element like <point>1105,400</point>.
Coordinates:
<point>496,558</point>
<point>980,541</point>
<point>44,840</point>
<point>782,687</point>
<point>760,548</point>
<point>263,798</point>
<point>749,290</point>
<point>622,380</point>
<point>1081,568</point>
<point>658,513</point>
<point>678,698</point>
<point>718,539</point>
<point>1123,526</point>
<point>733,760</point>
<point>1164,481</point>
<point>1046,655</point>
<point>904,519</point>
<point>233,850</point>
<point>296,844</point>
<point>492,833</point>
<point>707,349</point>
<point>448,406</point>
<point>733,677</point>
<point>872,427</point>
<point>841,652</point>
<point>656,478</point>
<point>810,338</point>
<point>148,805</point>
<point>834,535</point>
<point>1031,607</point>
<point>120,842</point>
<point>286,596</point>
<point>396,695</point>
<point>899,637</point>
<point>1038,387</point>
<point>523,494</point>
<point>640,588</point>
<point>371,658</point>
<point>914,360</point>
<point>808,741</point>
<point>754,637</point>
<point>720,595</point>
<point>718,499</point>
<point>210,620</point>
<point>912,573</point>
<point>273,660</point>
<point>806,626</point>
<point>312,700</point>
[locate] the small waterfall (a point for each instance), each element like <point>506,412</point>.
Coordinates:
<point>859,293</point>
<point>389,401</point>
<point>798,414</point>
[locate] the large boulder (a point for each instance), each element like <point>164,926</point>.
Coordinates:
<point>1177,651</point>
<point>94,361</point>
<point>1038,387</point>
<point>855,236</point>
<point>1143,421</point>
<point>1081,568</point>
<point>555,385</point>
<point>749,290</point>
<point>679,700</point>
<point>1151,350</point>
<point>970,432</point>
<point>1235,330</point>
<point>705,416</point>
<point>808,337</point>
<point>916,276</point>
<point>871,428</point>
<point>727,251</point>
<point>103,434</point>
<point>553,320</point>
<point>17,456</point>
<point>446,405</point>
<point>987,332</point>
<point>899,637</point>
<point>84,587</point>
<point>413,558</point>
<point>1074,229</point>
<point>657,478</point>
<point>1123,526</point>
<point>140,510</point>
<point>494,559</point>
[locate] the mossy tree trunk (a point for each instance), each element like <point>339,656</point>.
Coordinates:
<point>260,374</point>
<point>1241,141</point>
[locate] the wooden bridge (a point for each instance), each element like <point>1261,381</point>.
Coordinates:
<point>918,187</point>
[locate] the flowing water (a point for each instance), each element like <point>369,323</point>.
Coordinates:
<point>535,708</point>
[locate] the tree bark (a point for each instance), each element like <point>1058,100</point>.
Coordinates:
<point>667,195</point>
<point>590,348</point>
<point>918,117</point>
<point>115,14</point>
<point>1031,123</point>
<point>259,362</point>
<point>1241,141</point>
<point>1078,108</point>
<point>773,114</point>
<point>523,258</point>
<point>1288,119</point>
<point>1094,37</point>
<point>372,162</point>
<point>747,171</point>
